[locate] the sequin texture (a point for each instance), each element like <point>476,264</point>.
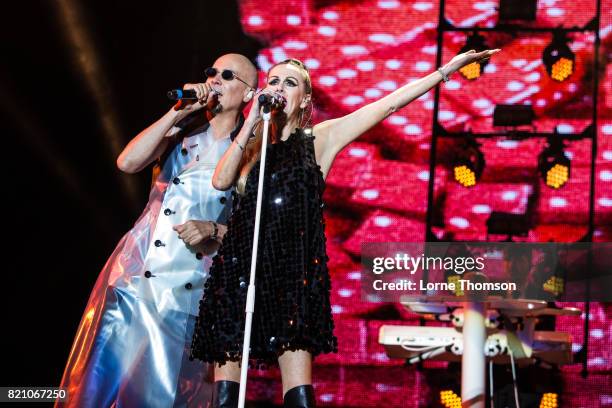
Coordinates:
<point>292,307</point>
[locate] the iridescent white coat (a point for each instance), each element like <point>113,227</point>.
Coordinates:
<point>132,345</point>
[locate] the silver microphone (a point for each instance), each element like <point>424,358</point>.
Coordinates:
<point>273,101</point>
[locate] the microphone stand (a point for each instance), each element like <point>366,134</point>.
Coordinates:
<point>250,300</point>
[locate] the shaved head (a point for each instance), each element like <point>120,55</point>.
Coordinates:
<point>241,65</point>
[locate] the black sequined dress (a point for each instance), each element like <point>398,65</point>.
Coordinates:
<point>292,307</point>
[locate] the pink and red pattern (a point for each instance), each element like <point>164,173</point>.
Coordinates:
<point>360,50</point>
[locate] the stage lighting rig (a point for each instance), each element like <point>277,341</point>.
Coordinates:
<point>512,225</point>
<point>558,58</point>
<point>553,163</point>
<point>476,42</point>
<point>524,10</point>
<point>469,163</point>
<point>513,115</point>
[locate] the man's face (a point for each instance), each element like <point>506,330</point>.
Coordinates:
<point>233,89</point>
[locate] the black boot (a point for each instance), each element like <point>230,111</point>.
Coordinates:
<point>301,396</point>
<point>225,394</point>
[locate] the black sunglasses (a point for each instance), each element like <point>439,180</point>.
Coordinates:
<point>226,74</point>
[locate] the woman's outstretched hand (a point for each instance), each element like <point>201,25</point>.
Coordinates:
<point>461,60</point>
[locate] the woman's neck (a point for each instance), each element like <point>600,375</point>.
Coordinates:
<point>289,128</point>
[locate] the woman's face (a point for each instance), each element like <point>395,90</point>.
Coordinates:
<point>287,80</point>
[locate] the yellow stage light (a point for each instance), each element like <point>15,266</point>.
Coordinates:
<point>549,400</point>
<point>562,69</point>
<point>553,163</point>
<point>471,71</point>
<point>558,58</point>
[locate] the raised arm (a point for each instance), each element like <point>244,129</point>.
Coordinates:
<point>227,169</point>
<point>149,144</point>
<point>333,135</point>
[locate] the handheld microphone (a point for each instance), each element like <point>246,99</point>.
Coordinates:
<point>273,101</point>
<point>189,94</point>
<point>177,94</point>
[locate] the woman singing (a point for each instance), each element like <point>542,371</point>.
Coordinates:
<point>292,322</point>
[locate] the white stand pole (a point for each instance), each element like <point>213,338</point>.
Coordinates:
<point>473,361</point>
<point>516,395</point>
<point>492,402</point>
<point>250,300</point>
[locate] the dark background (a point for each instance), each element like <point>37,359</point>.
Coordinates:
<point>64,203</point>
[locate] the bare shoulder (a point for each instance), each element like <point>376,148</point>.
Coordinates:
<point>323,145</point>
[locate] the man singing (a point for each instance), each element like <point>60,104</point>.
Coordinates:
<point>132,345</point>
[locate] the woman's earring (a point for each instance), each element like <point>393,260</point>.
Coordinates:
<point>310,109</point>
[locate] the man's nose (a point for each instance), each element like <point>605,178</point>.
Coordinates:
<point>217,79</point>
